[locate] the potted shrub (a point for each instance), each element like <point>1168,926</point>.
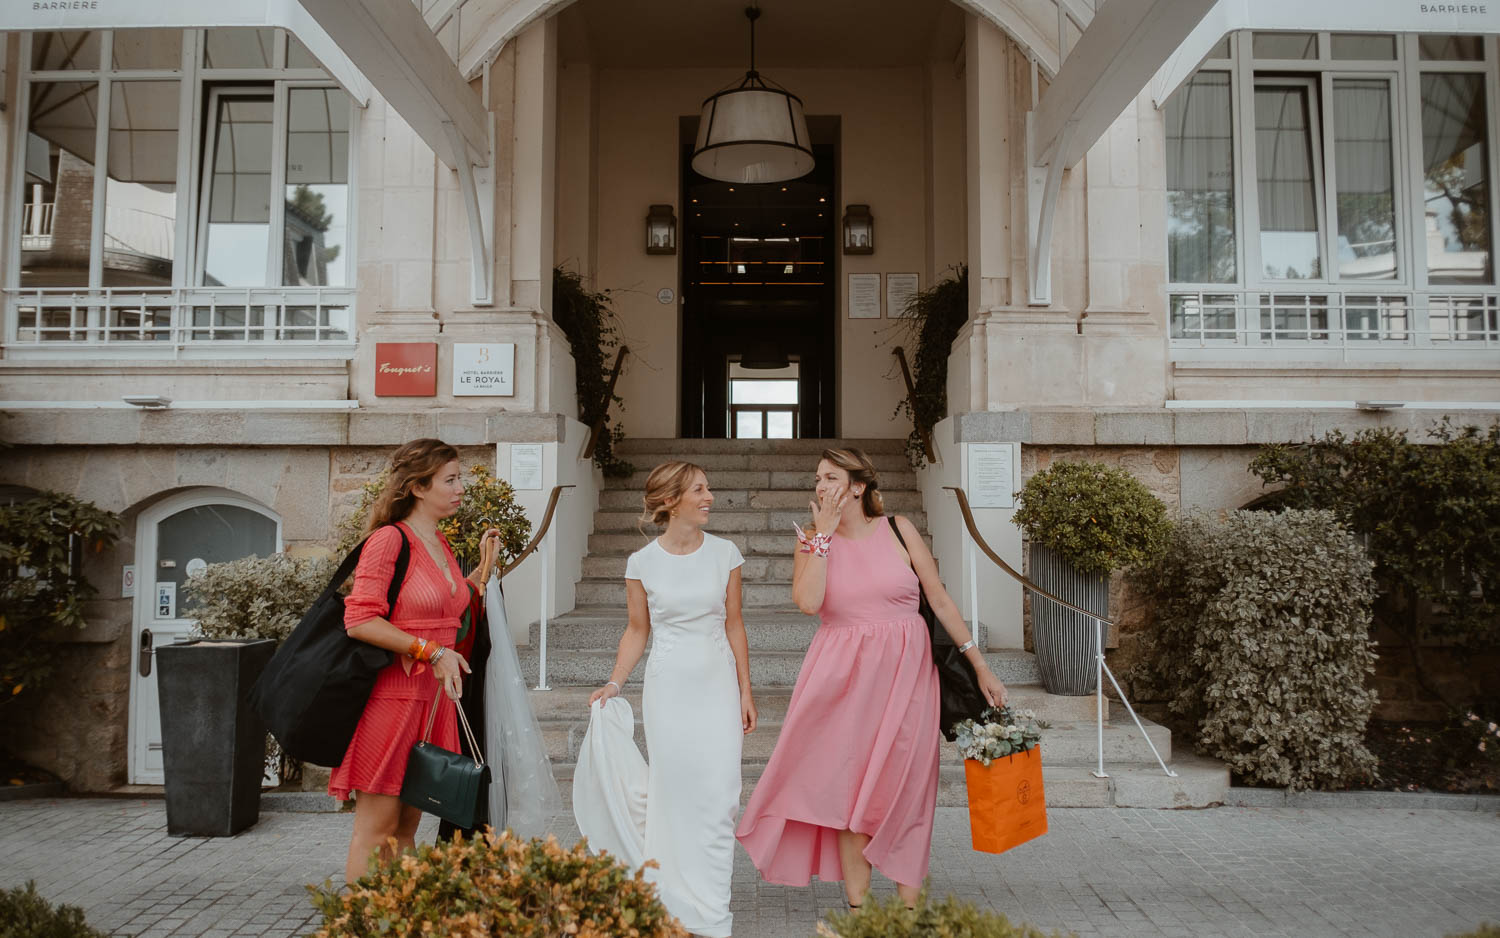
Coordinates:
<point>1083,521</point>
<point>496,884</point>
<point>890,918</point>
<point>258,598</point>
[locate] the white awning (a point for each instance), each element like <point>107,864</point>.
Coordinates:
<point>1359,16</point>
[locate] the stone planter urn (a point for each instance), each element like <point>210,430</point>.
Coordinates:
<point>1063,639</point>
<point>213,743</point>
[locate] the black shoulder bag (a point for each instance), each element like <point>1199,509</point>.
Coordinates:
<point>314,690</point>
<point>959,695</point>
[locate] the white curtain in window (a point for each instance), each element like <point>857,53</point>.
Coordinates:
<point>1362,155</point>
<point>1200,182</point>
<point>1285,185</point>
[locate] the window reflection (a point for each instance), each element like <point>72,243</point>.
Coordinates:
<point>1285,184</point>
<point>238,47</point>
<point>1200,182</point>
<point>64,50</point>
<point>1456,179</point>
<point>316,227</point>
<point>239,207</point>
<point>140,200</point>
<point>1366,198</point>
<point>57,219</point>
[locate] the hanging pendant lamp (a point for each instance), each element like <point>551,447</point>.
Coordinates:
<point>754,132</point>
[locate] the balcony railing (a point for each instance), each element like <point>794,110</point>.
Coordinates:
<point>36,226</point>
<point>1336,322</point>
<point>52,317</point>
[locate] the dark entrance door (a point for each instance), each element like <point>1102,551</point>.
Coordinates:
<point>758,284</point>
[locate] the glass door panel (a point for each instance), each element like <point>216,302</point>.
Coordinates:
<point>1287,183</point>
<point>238,207</point>
<point>1365,180</point>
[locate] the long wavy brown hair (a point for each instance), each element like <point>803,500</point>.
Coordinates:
<point>412,467</point>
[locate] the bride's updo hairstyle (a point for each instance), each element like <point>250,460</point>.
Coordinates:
<point>862,471</point>
<point>664,486</point>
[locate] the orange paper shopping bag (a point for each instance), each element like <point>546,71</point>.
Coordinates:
<point>1006,803</point>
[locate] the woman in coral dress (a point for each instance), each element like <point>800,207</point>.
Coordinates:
<point>853,779</point>
<point>424,487</point>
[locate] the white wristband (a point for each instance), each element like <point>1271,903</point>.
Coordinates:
<point>966,646</point>
<point>607,683</point>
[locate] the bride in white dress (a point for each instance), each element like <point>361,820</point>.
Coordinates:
<point>683,591</point>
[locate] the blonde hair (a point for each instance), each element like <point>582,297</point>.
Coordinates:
<point>664,486</point>
<point>412,467</point>
<point>861,470</point>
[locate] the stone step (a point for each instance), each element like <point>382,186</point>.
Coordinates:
<point>724,522</point>
<point>612,592</point>
<point>741,499</point>
<point>693,447</point>
<point>619,544</point>
<point>754,461</point>
<point>1062,743</point>
<point>1200,784</point>
<point>770,628</point>
<point>768,669</point>
<point>570,702</point>
<point>893,480</point>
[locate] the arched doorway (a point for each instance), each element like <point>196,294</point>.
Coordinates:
<point>174,538</point>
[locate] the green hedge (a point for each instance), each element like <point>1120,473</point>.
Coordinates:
<point>1261,639</point>
<point>890,918</point>
<point>1097,517</point>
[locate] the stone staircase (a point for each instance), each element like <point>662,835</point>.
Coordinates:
<point>760,488</point>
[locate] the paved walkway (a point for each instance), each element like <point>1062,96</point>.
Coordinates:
<point>1100,872</point>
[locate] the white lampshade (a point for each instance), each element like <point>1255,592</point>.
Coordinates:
<point>753,134</point>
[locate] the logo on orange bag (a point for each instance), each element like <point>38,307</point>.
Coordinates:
<point>1023,791</point>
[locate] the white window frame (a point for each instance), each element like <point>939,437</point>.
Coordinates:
<point>1345,342</point>
<point>192,144</point>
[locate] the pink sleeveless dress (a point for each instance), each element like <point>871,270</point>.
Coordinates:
<point>859,748</point>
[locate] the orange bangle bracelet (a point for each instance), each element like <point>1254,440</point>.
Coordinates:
<point>416,649</point>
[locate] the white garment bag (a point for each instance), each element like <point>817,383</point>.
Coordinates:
<point>523,794</point>
<point>609,783</point>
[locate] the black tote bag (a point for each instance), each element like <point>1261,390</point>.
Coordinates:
<point>315,688</point>
<point>958,685</point>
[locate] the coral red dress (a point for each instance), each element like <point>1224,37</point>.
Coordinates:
<point>397,712</point>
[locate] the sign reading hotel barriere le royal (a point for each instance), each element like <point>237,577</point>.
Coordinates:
<point>405,369</point>
<point>487,368</point>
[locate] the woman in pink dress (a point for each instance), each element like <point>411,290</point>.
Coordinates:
<point>424,486</point>
<point>853,780</point>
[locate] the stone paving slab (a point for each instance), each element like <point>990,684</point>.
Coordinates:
<point>1217,873</point>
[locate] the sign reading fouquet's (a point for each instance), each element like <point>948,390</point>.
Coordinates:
<point>405,369</point>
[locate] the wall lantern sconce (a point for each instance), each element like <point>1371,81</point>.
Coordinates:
<point>661,230</point>
<point>859,230</point>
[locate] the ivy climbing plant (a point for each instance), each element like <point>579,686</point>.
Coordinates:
<point>587,318</point>
<point>932,319</point>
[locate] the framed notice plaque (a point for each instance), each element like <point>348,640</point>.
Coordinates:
<point>992,482</point>
<point>484,369</point>
<point>864,296</point>
<point>405,369</point>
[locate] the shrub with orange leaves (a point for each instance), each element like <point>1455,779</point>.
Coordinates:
<point>496,884</point>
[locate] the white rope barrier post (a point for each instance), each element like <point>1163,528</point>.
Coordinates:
<point>973,552</point>
<point>541,681</point>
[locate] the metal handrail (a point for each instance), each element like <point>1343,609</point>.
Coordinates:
<point>536,539</point>
<point>911,396</point>
<point>1101,668</point>
<point>609,395</point>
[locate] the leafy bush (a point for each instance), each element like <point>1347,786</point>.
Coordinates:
<point>488,502</point>
<point>931,321</point>
<point>43,541</point>
<point>1099,518</point>
<point>587,318</point>
<point>496,884</point>
<point>1483,931</point>
<point>255,597</point>
<point>890,918</point>
<point>1428,513</point>
<point>25,914</point>
<point>999,732</point>
<point>1261,639</point>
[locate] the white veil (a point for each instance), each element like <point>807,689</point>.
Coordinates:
<point>523,794</point>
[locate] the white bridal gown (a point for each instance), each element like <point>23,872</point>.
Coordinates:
<point>691,710</point>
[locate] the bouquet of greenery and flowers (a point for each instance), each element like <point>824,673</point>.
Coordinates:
<point>999,732</point>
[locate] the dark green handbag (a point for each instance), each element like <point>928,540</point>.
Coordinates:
<point>450,785</point>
